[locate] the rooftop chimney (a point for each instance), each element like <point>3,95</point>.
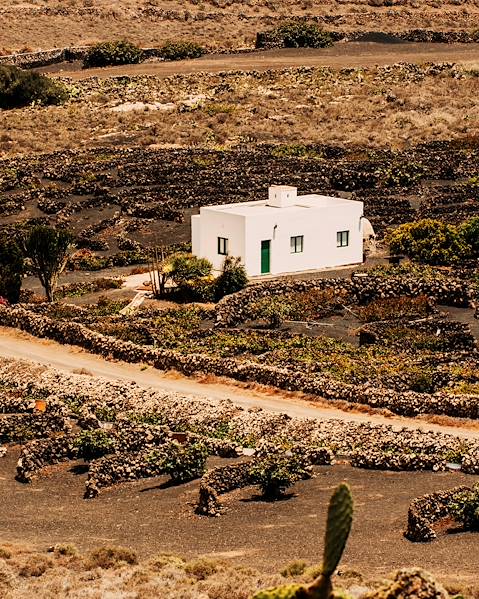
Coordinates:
<point>282,196</point>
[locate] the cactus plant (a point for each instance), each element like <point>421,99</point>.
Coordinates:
<point>338,527</point>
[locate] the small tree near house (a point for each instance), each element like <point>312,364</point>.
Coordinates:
<point>48,250</point>
<point>11,270</point>
<point>233,278</point>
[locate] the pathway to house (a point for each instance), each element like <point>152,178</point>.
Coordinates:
<point>19,345</point>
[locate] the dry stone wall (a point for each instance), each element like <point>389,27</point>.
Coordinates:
<point>407,403</point>
<point>236,308</point>
<point>425,511</point>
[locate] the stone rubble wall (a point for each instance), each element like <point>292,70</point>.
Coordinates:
<point>381,460</point>
<point>37,454</point>
<point>407,403</point>
<point>267,40</point>
<point>21,427</point>
<point>236,308</point>
<point>426,510</point>
<point>122,467</point>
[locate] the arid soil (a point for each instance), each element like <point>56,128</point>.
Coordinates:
<point>376,106</point>
<point>216,23</point>
<point>151,517</point>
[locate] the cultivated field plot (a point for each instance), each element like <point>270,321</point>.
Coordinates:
<point>215,23</point>
<point>64,456</point>
<point>125,200</point>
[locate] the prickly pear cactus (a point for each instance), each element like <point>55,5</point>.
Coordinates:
<point>338,527</point>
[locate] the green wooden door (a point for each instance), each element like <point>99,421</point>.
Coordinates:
<point>265,256</point>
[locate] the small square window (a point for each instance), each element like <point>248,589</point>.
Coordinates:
<point>342,239</point>
<point>296,244</point>
<point>222,246</point>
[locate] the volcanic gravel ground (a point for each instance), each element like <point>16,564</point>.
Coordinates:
<point>152,517</point>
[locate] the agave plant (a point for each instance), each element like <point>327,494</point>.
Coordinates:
<point>338,527</point>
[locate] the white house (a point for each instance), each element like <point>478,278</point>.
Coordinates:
<point>284,234</point>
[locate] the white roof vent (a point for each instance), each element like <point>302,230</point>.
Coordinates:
<point>282,196</point>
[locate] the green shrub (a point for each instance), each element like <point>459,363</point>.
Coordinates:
<point>21,88</point>
<point>181,50</point>
<point>94,444</point>
<point>233,278</point>
<point>400,175</point>
<point>466,508</point>
<point>11,270</point>
<point>429,241</point>
<point>112,53</point>
<point>295,568</point>
<point>185,463</point>
<point>469,231</point>
<point>274,472</point>
<point>300,34</point>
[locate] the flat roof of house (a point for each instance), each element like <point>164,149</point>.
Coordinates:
<point>262,207</point>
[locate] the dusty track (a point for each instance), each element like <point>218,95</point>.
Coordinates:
<point>342,55</point>
<point>14,344</point>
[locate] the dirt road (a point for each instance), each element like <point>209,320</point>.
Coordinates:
<point>341,55</point>
<point>15,344</point>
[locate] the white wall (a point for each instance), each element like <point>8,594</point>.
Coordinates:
<point>318,227</point>
<point>214,224</point>
<point>245,233</point>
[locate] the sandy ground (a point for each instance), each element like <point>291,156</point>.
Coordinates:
<point>341,55</point>
<point>15,344</point>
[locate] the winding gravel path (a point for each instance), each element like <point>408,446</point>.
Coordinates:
<point>19,345</point>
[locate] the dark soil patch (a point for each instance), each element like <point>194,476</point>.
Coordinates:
<point>270,534</point>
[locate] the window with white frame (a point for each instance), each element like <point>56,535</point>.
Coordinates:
<point>222,246</point>
<point>342,239</point>
<point>296,244</point>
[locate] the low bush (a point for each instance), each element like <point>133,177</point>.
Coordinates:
<point>21,88</point>
<point>112,54</point>
<point>301,34</point>
<point>465,508</point>
<point>111,557</point>
<point>181,50</point>
<point>202,568</point>
<point>94,444</point>
<point>395,307</point>
<point>185,463</point>
<point>276,470</point>
<point>233,278</point>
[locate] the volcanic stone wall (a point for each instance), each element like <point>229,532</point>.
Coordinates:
<point>427,510</point>
<point>407,403</point>
<point>234,309</point>
<point>272,39</point>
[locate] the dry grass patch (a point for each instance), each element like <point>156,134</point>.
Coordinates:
<point>374,107</point>
<point>224,23</point>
